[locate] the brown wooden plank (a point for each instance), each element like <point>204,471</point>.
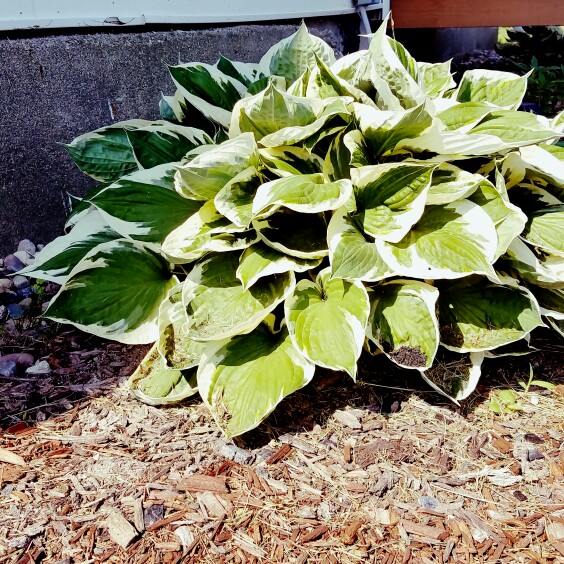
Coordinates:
<point>472,13</point>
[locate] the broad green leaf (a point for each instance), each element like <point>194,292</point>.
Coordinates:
<point>306,193</point>
<point>205,231</point>
<point>58,258</point>
<point>105,154</point>
<point>292,56</point>
<point>243,380</point>
<point>178,351</point>
<point>154,383</point>
<point>390,198</point>
<point>408,62</point>
<point>357,146</point>
<point>352,254</point>
<point>210,91</point>
<point>531,197</point>
<point>259,261</point>
<point>383,130</point>
<point>436,78</point>
<point>299,235</point>
<point>355,68</point>
<point>204,176</point>
<point>477,315</point>
<point>450,183</point>
<point>218,305</point>
<point>464,116</point>
<point>545,229</point>
<point>542,269</point>
<point>163,142</point>
<point>403,323</point>
<point>235,199</point>
<point>245,73</point>
<point>115,292</point>
<point>455,375</point>
<point>81,207</point>
<point>327,321</point>
<point>545,164</point>
<point>503,89</point>
<point>152,207</point>
<point>450,241</point>
<point>288,161</point>
<point>338,159</point>
<point>395,85</point>
<point>269,111</point>
<point>551,306</point>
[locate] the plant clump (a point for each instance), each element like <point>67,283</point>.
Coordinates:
<point>320,207</point>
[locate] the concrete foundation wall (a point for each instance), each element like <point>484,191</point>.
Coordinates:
<point>55,88</point>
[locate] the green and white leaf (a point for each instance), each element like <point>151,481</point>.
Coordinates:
<point>450,241</point>
<point>545,229</point>
<point>205,175</point>
<point>154,383</point>
<point>390,198</point>
<point>300,235</point>
<point>243,380</point>
<point>306,193</point>
<point>477,315</point>
<point>58,258</point>
<point>450,183</point>
<point>353,255</point>
<point>178,351</point>
<point>464,116</point>
<point>259,261</point>
<point>213,283</point>
<point>436,78</point>
<point>403,323</point>
<point>288,161</point>
<point>327,321</point>
<point>115,292</point>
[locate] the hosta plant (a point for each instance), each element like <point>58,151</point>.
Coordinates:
<point>286,215</point>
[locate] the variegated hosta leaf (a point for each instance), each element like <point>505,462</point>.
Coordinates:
<point>450,241</point>
<point>306,193</point>
<point>210,91</point>
<point>235,199</point>
<point>243,380</point>
<point>218,305</point>
<point>546,164</point>
<point>153,209</point>
<point>294,55</point>
<point>477,315</point>
<point>58,258</point>
<point>531,197</point>
<point>338,158</point>
<point>81,207</point>
<point>395,85</point>
<point>390,198</point>
<point>259,261</point>
<point>178,351</point>
<point>435,78</point>
<point>508,219</point>
<point>355,68</point>
<point>155,383</point>
<point>269,111</point>
<point>327,321</point>
<point>115,292</point>
<point>451,183</point>
<point>204,176</point>
<point>105,154</point>
<point>464,116</point>
<point>455,375</point>
<point>383,130</point>
<point>288,161</point>
<point>545,229</point>
<point>245,73</point>
<point>352,254</point>
<point>300,235</point>
<point>542,269</point>
<point>163,142</point>
<point>206,231</point>
<point>552,306</point>
<point>503,89</point>
<point>403,322</point>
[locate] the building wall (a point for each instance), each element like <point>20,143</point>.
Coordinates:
<point>54,88</point>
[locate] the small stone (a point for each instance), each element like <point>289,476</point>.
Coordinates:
<point>41,367</point>
<point>532,438</point>
<point>6,283</point>
<point>24,257</point>
<point>3,312</point>
<point>25,303</point>
<point>15,310</point>
<point>520,495</point>
<point>153,514</point>
<point>534,454</point>
<point>428,502</point>
<point>8,368</point>
<point>27,246</point>
<point>44,307</point>
<point>238,455</point>
<point>18,542</point>
<point>20,282</point>
<point>40,247</point>
<point>13,264</point>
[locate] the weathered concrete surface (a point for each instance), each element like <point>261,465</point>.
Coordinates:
<point>55,88</point>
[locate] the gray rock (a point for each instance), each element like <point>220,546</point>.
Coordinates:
<point>26,258</point>
<point>8,368</point>
<point>13,264</point>
<point>40,248</point>
<point>12,364</point>
<point>25,303</point>
<point>44,307</point>
<point>6,283</point>
<point>18,542</point>
<point>238,455</point>
<point>41,367</point>
<point>27,246</point>
<point>152,514</point>
<point>3,312</point>
<point>20,282</point>
<point>16,311</point>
